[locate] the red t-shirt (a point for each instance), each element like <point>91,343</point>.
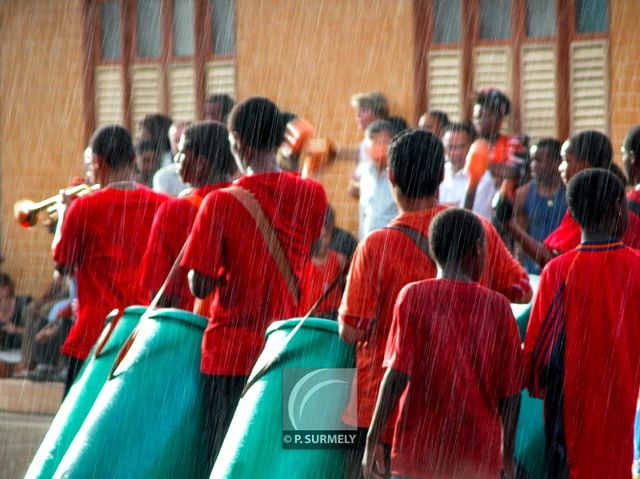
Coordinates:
<point>226,243</point>
<point>568,235</point>
<point>459,344</point>
<point>170,230</point>
<point>383,263</point>
<point>316,278</point>
<point>104,235</point>
<point>591,295</point>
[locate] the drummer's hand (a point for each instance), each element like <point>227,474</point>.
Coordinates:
<point>373,461</point>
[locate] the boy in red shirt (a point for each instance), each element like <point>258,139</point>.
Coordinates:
<point>206,164</point>
<point>320,272</point>
<point>392,257</point>
<point>227,252</point>
<point>586,149</point>
<point>581,342</point>
<point>103,237</point>
<point>454,367</point>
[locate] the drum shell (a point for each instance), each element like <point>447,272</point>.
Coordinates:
<point>82,395</point>
<point>253,445</point>
<point>147,420</point>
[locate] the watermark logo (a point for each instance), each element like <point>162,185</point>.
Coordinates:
<point>313,401</point>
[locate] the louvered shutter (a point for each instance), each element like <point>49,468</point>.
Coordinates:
<point>538,79</point>
<point>444,73</point>
<point>182,92</point>
<point>145,92</point>
<point>221,78</point>
<point>589,85</point>
<point>492,68</point>
<point>108,95</point>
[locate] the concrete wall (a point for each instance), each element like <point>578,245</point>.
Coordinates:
<point>40,122</point>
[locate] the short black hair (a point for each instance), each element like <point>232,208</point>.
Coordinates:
<point>398,124</point>
<point>113,143</point>
<point>144,145</point>
<point>552,146</point>
<point>211,140</point>
<point>378,126</point>
<point>593,147</point>
<point>416,159</point>
<point>258,122</point>
<point>441,116</point>
<point>157,125</point>
<point>632,141</point>
<point>453,233</point>
<point>464,127</point>
<point>591,194</point>
<point>7,282</point>
<point>493,99</point>
<point>225,101</point>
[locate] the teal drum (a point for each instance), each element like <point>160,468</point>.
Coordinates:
<point>84,392</point>
<point>147,419</point>
<point>280,427</point>
<point>529,450</point>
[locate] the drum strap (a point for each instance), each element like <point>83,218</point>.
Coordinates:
<point>249,202</point>
<point>420,240</point>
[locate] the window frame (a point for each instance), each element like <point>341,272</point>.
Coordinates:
<point>565,35</point>
<point>92,54</point>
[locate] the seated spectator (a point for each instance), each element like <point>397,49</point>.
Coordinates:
<point>37,314</point>
<point>453,189</point>
<point>11,310</point>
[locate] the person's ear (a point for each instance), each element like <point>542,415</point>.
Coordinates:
<point>391,177</point>
<point>632,158</point>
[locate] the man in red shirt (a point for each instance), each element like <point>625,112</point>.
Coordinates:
<point>581,342</point>
<point>227,252</point>
<point>102,240</point>
<point>586,149</point>
<point>454,356</point>
<point>390,258</point>
<point>206,164</point>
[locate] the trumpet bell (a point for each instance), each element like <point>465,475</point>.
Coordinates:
<point>25,213</point>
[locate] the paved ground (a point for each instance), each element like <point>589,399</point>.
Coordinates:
<point>20,436</point>
<point>26,410</point>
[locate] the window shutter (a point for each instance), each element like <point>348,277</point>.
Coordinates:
<point>589,85</point>
<point>108,100</point>
<point>221,78</point>
<point>492,68</point>
<point>182,92</point>
<point>146,92</point>
<point>444,73</point>
<point>538,79</point>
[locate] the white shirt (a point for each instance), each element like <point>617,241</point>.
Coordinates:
<point>168,181</point>
<point>377,206</point>
<point>454,187</point>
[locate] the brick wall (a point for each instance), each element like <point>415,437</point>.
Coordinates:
<point>40,123</point>
<point>624,70</point>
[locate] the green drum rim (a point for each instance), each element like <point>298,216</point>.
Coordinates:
<point>137,309</point>
<point>180,315</point>
<point>321,324</point>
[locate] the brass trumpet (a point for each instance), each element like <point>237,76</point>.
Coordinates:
<point>26,212</point>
